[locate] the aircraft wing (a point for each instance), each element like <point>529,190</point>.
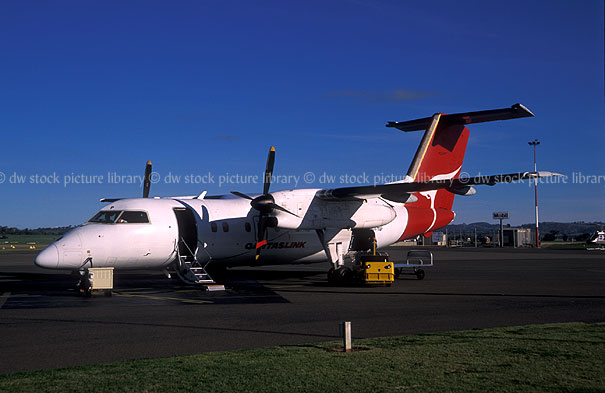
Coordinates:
<point>400,192</point>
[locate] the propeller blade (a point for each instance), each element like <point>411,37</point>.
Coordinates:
<point>239,194</point>
<point>147,180</point>
<point>260,240</point>
<point>278,207</point>
<point>269,170</point>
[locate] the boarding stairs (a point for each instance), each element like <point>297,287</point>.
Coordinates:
<point>189,269</point>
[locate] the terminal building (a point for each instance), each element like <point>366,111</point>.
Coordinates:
<point>513,237</point>
<point>438,239</point>
<point>518,237</point>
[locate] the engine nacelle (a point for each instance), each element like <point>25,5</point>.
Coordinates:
<point>315,213</point>
<point>373,214</point>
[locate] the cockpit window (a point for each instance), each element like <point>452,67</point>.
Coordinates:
<point>133,217</point>
<point>120,217</point>
<point>106,216</point>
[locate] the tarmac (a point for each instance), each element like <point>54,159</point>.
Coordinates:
<point>45,324</point>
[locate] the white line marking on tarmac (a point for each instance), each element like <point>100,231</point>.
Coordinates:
<point>283,286</point>
<point>164,298</point>
<point>4,298</point>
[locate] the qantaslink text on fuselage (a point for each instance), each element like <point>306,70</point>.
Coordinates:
<point>270,245</point>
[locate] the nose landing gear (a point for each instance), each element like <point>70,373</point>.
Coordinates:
<point>84,286</point>
<point>95,279</point>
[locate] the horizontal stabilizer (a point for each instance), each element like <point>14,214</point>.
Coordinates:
<point>514,112</point>
<point>406,188</point>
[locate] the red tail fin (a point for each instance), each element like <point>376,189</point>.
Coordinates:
<point>439,156</point>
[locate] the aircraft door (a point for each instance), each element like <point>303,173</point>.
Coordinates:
<point>187,240</point>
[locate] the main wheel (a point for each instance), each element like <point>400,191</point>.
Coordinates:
<point>344,275</point>
<point>420,274</point>
<point>397,272</point>
<point>331,278</point>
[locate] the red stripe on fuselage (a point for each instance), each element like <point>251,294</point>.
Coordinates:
<point>420,220</point>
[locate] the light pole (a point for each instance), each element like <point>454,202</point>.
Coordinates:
<point>535,143</point>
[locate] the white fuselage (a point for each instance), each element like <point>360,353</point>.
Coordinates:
<point>224,229</point>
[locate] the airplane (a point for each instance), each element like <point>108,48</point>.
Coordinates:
<point>193,236</point>
<point>597,238</point>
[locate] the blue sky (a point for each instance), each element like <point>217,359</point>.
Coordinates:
<point>207,87</point>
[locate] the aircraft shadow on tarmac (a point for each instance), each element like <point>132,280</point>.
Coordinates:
<point>244,286</point>
<point>38,290</point>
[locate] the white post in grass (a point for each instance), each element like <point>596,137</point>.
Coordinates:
<point>345,333</point>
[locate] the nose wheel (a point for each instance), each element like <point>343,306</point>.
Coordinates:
<point>84,285</point>
<point>97,279</point>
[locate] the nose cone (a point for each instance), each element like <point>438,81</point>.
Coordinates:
<point>48,258</point>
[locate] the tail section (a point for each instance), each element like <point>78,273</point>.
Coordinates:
<point>440,157</point>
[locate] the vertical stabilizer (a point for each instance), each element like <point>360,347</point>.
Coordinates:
<point>439,156</point>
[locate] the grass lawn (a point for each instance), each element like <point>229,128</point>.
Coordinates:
<point>24,242</point>
<point>537,358</point>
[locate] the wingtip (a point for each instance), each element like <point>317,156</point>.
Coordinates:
<point>543,174</point>
<point>548,173</point>
<point>522,107</point>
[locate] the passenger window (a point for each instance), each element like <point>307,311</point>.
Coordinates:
<point>133,218</point>
<point>248,227</point>
<point>213,227</point>
<point>225,226</point>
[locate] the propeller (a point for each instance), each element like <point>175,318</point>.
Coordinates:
<point>265,204</point>
<point>147,180</point>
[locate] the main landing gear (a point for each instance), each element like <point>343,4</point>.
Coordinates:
<point>376,268</point>
<point>364,269</point>
<point>342,275</point>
